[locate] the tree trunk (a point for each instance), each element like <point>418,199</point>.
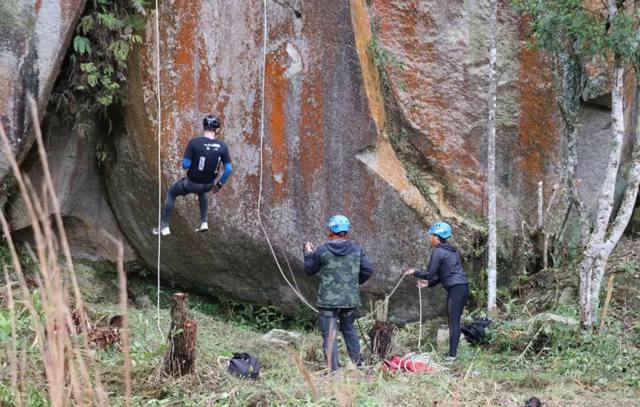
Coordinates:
<point>181,356</point>
<point>491,164</point>
<point>567,75</point>
<point>598,249</point>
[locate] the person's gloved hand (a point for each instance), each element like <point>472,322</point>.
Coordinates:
<point>216,188</point>
<point>410,272</point>
<point>308,248</point>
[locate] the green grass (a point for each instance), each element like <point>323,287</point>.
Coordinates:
<point>572,370</point>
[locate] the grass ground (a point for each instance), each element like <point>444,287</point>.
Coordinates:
<point>564,368</point>
<point>481,377</point>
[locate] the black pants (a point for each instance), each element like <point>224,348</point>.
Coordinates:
<point>184,187</point>
<point>456,299</point>
<point>342,319</point>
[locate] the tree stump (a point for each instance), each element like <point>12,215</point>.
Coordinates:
<point>181,356</point>
<point>381,333</point>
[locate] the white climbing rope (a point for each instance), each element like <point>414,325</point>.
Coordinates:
<point>265,34</point>
<point>386,298</point>
<point>420,319</point>
<point>159,162</point>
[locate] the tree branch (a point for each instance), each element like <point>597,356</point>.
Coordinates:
<point>630,194</point>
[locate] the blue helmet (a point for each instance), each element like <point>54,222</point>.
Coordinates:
<point>338,223</point>
<point>441,229</point>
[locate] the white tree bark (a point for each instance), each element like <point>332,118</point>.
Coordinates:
<point>597,249</point>
<point>540,205</point>
<point>491,163</point>
<point>620,222</point>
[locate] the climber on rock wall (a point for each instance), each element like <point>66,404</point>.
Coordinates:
<point>342,267</point>
<point>202,159</point>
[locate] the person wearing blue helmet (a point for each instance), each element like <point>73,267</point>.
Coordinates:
<point>202,159</point>
<point>342,267</point>
<point>445,267</point>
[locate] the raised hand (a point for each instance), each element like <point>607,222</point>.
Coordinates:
<point>308,248</point>
<point>410,272</point>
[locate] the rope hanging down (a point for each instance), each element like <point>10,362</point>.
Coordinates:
<point>259,206</point>
<point>265,34</point>
<point>159,162</point>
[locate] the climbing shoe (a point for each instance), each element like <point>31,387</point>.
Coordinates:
<point>165,231</point>
<point>203,227</point>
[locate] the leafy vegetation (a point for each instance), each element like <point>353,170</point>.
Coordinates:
<point>561,25</point>
<point>104,39</point>
<point>382,58</point>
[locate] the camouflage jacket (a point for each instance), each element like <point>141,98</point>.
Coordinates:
<point>342,267</point>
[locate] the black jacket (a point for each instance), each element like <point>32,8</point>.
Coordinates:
<point>444,267</point>
<point>338,248</point>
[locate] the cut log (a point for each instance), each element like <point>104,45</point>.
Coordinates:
<point>181,356</point>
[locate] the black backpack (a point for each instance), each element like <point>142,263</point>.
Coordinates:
<point>476,331</point>
<point>244,365</point>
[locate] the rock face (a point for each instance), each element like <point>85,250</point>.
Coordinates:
<point>335,141</point>
<point>74,169</point>
<point>440,93</point>
<point>317,120</point>
<point>34,37</point>
<point>372,108</point>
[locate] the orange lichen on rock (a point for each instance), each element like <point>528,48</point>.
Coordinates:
<point>276,91</point>
<point>538,138</point>
<point>311,128</point>
<point>184,53</point>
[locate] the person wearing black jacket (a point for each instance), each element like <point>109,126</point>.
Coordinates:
<point>445,267</point>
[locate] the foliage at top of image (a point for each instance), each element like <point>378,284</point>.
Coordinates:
<point>567,25</point>
<point>105,36</point>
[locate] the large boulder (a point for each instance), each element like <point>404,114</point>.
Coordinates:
<point>74,168</point>
<point>373,108</point>
<point>34,38</point>
<point>440,93</point>
<point>329,143</point>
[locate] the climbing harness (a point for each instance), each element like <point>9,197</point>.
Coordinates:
<point>157,26</point>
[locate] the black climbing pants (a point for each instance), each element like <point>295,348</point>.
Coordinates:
<point>456,300</point>
<point>184,187</point>
<point>333,320</point>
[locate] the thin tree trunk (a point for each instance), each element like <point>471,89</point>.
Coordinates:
<point>491,163</point>
<point>540,205</point>
<point>633,183</point>
<point>620,222</point>
<point>607,301</point>
<point>567,75</point>
<point>597,249</point>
